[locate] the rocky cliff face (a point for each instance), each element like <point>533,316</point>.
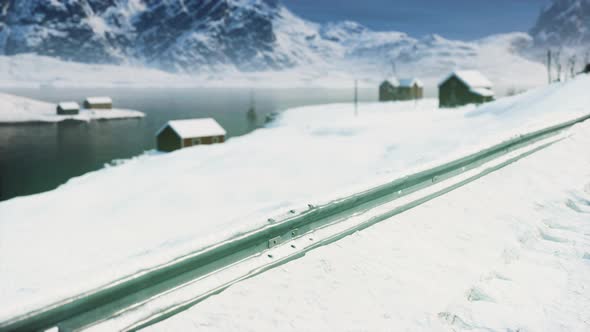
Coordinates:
<point>87,31</point>
<point>171,34</point>
<point>563,23</point>
<point>245,35</point>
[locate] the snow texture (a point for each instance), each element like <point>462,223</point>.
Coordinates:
<point>155,208</point>
<point>484,92</point>
<point>508,252</point>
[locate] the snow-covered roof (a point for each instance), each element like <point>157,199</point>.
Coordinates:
<point>392,80</point>
<point>99,100</point>
<point>484,92</point>
<point>471,78</point>
<point>409,82</point>
<point>195,128</point>
<point>69,105</point>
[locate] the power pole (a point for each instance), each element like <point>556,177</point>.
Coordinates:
<point>572,63</point>
<point>549,65</point>
<point>356,98</point>
<point>557,61</point>
<point>393,68</point>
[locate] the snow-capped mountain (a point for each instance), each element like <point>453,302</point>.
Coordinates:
<point>173,34</point>
<point>236,35</point>
<point>564,23</point>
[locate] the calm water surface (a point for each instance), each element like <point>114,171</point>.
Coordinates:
<point>39,157</point>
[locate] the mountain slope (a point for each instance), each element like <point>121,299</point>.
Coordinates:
<point>174,34</point>
<point>563,23</point>
<point>221,36</point>
<point>99,31</point>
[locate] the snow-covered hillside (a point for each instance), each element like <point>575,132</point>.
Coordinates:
<point>175,35</point>
<point>191,198</point>
<point>220,38</point>
<point>508,252</point>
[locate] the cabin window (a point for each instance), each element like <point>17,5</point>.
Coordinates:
<point>196,141</point>
<point>215,139</point>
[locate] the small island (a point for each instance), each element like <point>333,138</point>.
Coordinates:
<point>15,109</point>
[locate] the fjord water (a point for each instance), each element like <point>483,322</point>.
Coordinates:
<point>39,157</point>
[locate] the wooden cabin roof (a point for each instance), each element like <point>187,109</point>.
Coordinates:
<point>484,92</point>
<point>472,78</point>
<point>410,82</point>
<point>392,80</point>
<point>192,128</point>
<point>99,100</point>
<point>69,105</point>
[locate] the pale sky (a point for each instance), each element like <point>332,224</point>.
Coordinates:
<point>461,19</point>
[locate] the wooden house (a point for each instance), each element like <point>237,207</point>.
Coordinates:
<point>388,89</point>
<point>465,87</point>
<point>68,108</point>
<point>178,134</point>
<point>410,89</point>
<point>98,103</point>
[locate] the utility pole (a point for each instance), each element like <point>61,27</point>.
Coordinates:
<point>393,68</point>
<point>572,63</point>
<point>557,61</point>
<point>356,98</point>
<point>549,65</point>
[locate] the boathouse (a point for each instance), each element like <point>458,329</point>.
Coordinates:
<point>410,89</point>
<point>465,87</point>
<point>178,134</point>
<point>388,89</point>
<point>98,103</point>
<point>68,108</point>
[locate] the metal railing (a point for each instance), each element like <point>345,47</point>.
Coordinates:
<point>101,303</point>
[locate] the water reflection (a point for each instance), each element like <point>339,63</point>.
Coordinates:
<point>39,157</point>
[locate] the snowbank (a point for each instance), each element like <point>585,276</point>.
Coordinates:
<point>14,109</point>
<point>155,208</point>
<point>509,252</point>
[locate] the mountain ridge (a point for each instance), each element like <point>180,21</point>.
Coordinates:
<point>563,23</point>
<point>243,35</point>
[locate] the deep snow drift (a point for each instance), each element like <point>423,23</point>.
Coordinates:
<point>14,109</point>
<point>116,221</point>
<point>508,252</point>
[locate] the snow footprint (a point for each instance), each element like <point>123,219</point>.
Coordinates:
<point>548,237</point>
<point>572,205</point>
<point>477,294</point>
<point>454,320</point>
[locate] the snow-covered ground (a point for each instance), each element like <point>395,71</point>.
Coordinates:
<point>119,220</point>
<point>508,252</point>
<point>14,109</point>
<point>430,59</point>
